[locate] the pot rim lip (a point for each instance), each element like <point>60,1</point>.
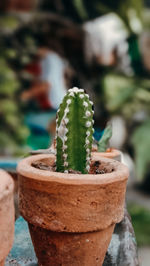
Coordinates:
<point>6,184</point>
<point>25,169</point>
<point>111,153</point>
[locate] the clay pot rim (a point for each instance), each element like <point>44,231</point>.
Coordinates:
<point>108,154</point>
<point>26,169</point>
<point>113,152</point>
<point>6,184</point>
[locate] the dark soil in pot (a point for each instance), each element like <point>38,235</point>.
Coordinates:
<point>95,168</point>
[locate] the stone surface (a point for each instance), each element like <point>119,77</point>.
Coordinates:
<point>122,250</point>
<point>144,256</point>
<point>22,253</point>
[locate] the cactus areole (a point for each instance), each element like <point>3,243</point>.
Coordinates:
<point>74,132</point>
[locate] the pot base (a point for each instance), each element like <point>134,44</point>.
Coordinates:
<point>70,249</point>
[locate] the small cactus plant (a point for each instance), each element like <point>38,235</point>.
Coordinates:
<point>74,132</point>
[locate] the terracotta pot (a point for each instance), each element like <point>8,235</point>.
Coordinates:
<point>14,176</point>
<point>7,215</point>
<point>71,216</point>
<point>2,263</point>
<point>110,153</point>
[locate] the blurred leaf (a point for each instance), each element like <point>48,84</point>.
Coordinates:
<point>141,143</point>
<point>10,53</point>
<point>6,140</point>
<point>22,134</point>
<point>13,133</point>
<point>143,95</point>
<point>118,90</point>
<point>103,143</point>
<point>12,120</point>
<point>79,4</point>
<point>8,145</point>
<point>141,221</point>
<point>9,22</point>
<point>8,82</point>
<point>8,106</point>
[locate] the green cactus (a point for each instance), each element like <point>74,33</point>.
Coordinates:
<point>74,132</point>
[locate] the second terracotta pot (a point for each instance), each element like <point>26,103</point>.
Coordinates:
<point>7,215</point>
<point>109,153</point>
<point>71,216</point>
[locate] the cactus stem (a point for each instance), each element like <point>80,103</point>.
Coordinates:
<point>85,104</point>
<point>87,167</point>
<point>71,94</point>
<point>67,110</point>
<point>88,123</point>
<point>69,101</point>
<point>88,133</point>
<point>87,141</point>
<point>65,138</point>
<point>65,163</point>
<point>81,96</point>
<point>74,132</point>
<point>66,120</point>
<point>87,113</point>
<point>65,147</point>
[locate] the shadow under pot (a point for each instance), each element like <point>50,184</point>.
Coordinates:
<point>71,217</point>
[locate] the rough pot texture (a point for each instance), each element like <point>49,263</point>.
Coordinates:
<point>14,176</point>
<point>73,249</point>
<point>2,262</point>
<point>64,210</point>
<point>7,215</point>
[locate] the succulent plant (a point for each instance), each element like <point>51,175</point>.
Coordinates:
<point>104,141</point>
<point>74,132</point>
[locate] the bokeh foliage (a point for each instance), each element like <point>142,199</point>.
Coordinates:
<point>13,133</point>
<point>141,221</point>
<point>115,93</point>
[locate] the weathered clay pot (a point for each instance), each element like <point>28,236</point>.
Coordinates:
<point>71,217</point>
<point>7,215</point>
<point>14,176</point>
<point>110,153</point>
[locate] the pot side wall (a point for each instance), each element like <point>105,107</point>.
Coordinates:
<point>7,216</point>
<point>72,208</point>
<point>70,249</point>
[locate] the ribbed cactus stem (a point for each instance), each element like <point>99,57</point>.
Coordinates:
<point>74,132</point>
